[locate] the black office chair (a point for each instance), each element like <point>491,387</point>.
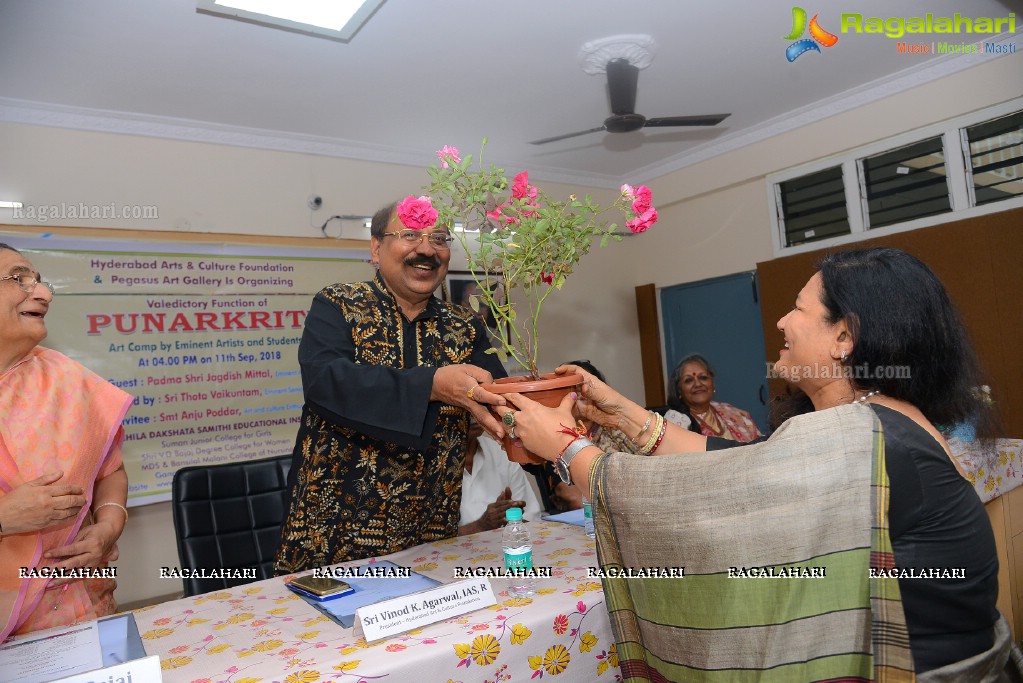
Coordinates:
<point>229,516</point>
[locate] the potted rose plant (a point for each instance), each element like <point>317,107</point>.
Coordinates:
<point>517,238</point>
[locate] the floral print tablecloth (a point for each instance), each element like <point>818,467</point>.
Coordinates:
<point>993,471</point>
<point>263,632</point>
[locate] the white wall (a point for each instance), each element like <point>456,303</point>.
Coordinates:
<point>714,221</point>
<point>195,186</point>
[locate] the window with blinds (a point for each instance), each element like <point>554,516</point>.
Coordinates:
<point>917,179</point>
<point>904,184</point>
<point>994,153</point>
<point>812,207</point>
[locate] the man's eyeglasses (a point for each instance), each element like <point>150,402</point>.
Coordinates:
<point>28,283</point>
<point>438,240</point>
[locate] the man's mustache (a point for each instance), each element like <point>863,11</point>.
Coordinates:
<point>420,260</point>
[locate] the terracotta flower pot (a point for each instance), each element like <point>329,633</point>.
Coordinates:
<point>549,390</point>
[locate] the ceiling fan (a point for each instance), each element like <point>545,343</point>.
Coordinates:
<point>622,81</point>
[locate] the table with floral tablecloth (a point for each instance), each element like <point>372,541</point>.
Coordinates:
<point>264,632</point>
<point>994,469</point>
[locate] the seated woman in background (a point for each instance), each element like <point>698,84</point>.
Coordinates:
<point>881,557</point>
<point>692,384</point>
<point>62,485</point>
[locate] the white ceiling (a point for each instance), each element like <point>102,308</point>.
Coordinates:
<point>425,73</point>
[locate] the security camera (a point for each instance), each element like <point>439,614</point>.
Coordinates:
<point>315,201</point>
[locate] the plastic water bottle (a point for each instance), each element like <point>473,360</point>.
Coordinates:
<point>588,518</point>
<point>518,554</point>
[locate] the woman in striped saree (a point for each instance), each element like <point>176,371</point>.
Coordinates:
<point>845,547</point>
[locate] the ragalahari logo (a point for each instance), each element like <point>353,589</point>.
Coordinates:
<point>818,36</point>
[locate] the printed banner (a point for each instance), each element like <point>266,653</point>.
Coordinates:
<point>205,337</point>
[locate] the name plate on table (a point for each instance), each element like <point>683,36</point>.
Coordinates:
<point>146,669</point>
<point>398,615</point>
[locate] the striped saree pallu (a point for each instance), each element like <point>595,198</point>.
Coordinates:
<point>777,540</point>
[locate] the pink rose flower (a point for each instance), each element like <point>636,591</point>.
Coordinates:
<point>547,278</point>
<point>446,154</point>
<point>521,189</point>
<point>628,191</point>
<point>417,213</point>
<point>643,222</point>
<point>642,198</point>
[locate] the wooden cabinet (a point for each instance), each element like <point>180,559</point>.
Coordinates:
<point>1006,514</point>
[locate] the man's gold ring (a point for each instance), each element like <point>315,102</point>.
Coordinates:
<point>471,389</point>
<point>509,418</point>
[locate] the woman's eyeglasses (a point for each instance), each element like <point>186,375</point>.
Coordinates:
<point>28,283</point>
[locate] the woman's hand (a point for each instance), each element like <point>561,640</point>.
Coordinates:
<point>93,546</point>
<point>39,503</point>
<point>544,431</point>
<point>603,405</point>
<point>96,544</point>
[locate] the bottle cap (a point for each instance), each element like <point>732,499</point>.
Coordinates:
<point>513,514</point>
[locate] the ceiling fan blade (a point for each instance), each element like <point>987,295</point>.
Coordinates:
<point>622,80</point>
<point>705,120</point>
<point>566,136</point>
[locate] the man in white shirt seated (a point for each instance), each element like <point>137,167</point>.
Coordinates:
<point>491,484</point>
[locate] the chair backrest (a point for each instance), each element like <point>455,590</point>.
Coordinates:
<point>229,516</point>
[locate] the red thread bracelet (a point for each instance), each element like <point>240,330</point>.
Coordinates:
<point>567,445</point>
<point>571,431</point>
<point>579,432</point>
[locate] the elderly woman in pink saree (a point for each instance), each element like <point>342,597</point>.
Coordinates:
<point>62,485</point>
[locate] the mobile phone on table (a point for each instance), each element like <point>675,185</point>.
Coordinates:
<point>320,588</point>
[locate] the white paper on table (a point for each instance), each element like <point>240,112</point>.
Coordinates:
<point>31,658</point>
<point>571,517</point>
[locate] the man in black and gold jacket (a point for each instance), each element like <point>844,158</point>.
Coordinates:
<point>390,374</point>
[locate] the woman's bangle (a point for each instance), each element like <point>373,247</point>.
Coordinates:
<point>646,426</point>
<point>655,433</point>
<point>103,505</point>
<point>660,437</point>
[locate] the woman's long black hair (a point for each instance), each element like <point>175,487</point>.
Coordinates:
<point>909,342</point>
